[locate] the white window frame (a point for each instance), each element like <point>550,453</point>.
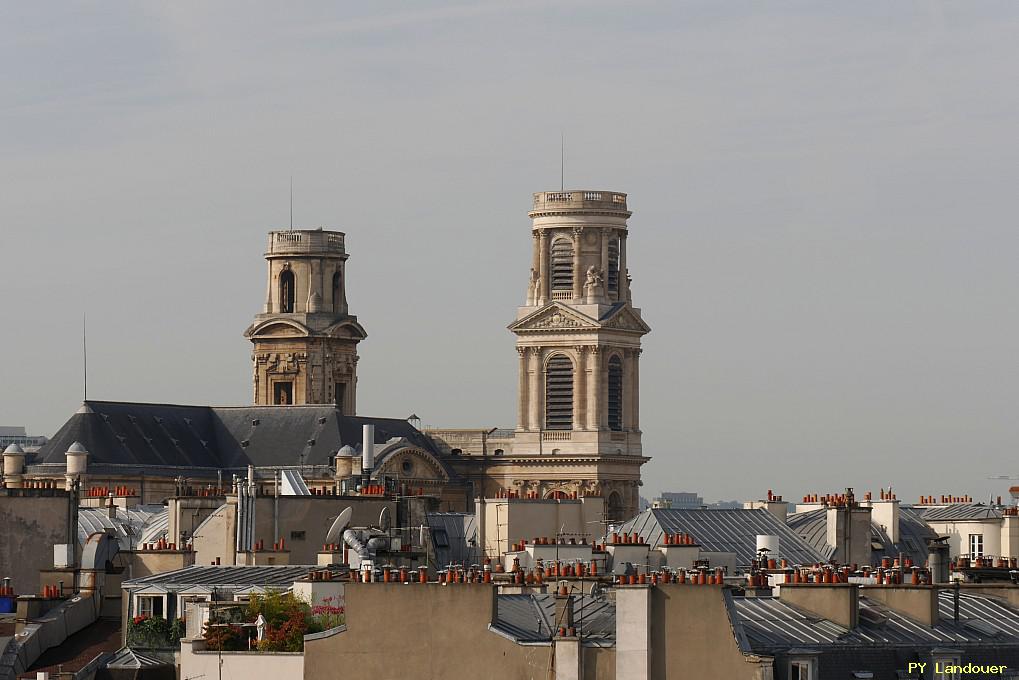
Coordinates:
<point>976,545</point>
<point>946,659</point>
<point>184,600</point>
<point>805,667</point>
<point>139,610</point>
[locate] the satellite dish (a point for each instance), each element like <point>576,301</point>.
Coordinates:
<point>339,524</point>
<point>385,519</point>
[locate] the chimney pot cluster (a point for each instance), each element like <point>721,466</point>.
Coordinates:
<point>104,491</point>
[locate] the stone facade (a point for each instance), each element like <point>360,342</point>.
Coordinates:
<point>305,339</point>
<point>578,434</point>
<point>578,342</point>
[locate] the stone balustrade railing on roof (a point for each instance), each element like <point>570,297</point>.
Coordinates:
<point>301,242</point>
<point>579,200</point>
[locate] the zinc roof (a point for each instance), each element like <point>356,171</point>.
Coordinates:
<point>961,512</point>
<point>531,618</point>
<point>454,538</point>
<point>812,526</point>
<point>227,577</point>
<point>769,624</point>
<point>724,530</point>
<point>129,526</point>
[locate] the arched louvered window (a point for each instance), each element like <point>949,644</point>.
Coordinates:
<point>559,393</point>
<point>615,393</point>
<point>613,273</point>
<point>615,509</point>
<point>286,291</point>
<point>562,264</point>
<point>337,291</point>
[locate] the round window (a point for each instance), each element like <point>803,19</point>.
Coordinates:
<point>407,466</point>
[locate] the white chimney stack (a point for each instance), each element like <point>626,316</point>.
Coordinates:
<point>368,449</point>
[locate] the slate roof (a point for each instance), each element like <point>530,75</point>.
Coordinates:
<point>767,625</point>
<point>724,530</point>
<point>961,512</point>
<point>454,538</point>
<point>531,618</point>
<point>812,526</point>
<point>226,577</point>
<point>162,438</point>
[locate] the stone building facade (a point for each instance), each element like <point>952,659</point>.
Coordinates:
<point>578,340</point>
<point>305,339</point>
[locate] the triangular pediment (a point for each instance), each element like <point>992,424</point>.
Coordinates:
<point>554,317</point>
<point>627,320</point>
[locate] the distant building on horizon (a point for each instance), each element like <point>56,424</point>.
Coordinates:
<point>681,500</point>
<point>16,434</point>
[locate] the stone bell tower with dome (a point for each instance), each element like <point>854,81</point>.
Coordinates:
<point>578,339</point>
<point>305,340</point>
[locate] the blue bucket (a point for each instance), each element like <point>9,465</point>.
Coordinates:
<point>8,605</point>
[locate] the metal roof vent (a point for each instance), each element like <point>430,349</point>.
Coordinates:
<point>255,422</point>
<point>244,443</point>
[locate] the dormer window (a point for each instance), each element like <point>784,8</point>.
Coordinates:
<point>802,664</point>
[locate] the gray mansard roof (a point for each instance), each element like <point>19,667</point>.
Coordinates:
<point>724,530</point>
<point>885,641</point>
<point>163,438</point>
<point>914,533</point>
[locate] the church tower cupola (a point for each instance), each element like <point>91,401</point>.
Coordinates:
<point>305,340</point>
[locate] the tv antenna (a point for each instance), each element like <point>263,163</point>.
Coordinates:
<point>562,161</point>
<point>84,360</point>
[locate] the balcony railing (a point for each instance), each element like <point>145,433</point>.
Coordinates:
<point>556,436</point>
<point>305,242</point>
<point>592,200</point>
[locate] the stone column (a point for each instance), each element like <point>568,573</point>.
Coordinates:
<point>627,389</point>
<point>605,233</point>
<point>536,397</point>
<point>578,274</point>
<point>522,414</point>
<point>268,289</point>
<point>534,286</point>
<point>623,283</point>
<point>635,390</point>
<point>545,283</point>
<point>314,274</point>
<point>594,402</point>
<point>580,390</point>
<point>350,398</point>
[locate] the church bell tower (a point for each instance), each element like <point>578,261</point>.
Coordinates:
<point>578,337</point>
<point>305,339</point>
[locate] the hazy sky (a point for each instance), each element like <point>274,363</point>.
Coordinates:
<point>824,233</point>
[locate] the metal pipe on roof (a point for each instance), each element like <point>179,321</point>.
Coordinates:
<point>367,448</point>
